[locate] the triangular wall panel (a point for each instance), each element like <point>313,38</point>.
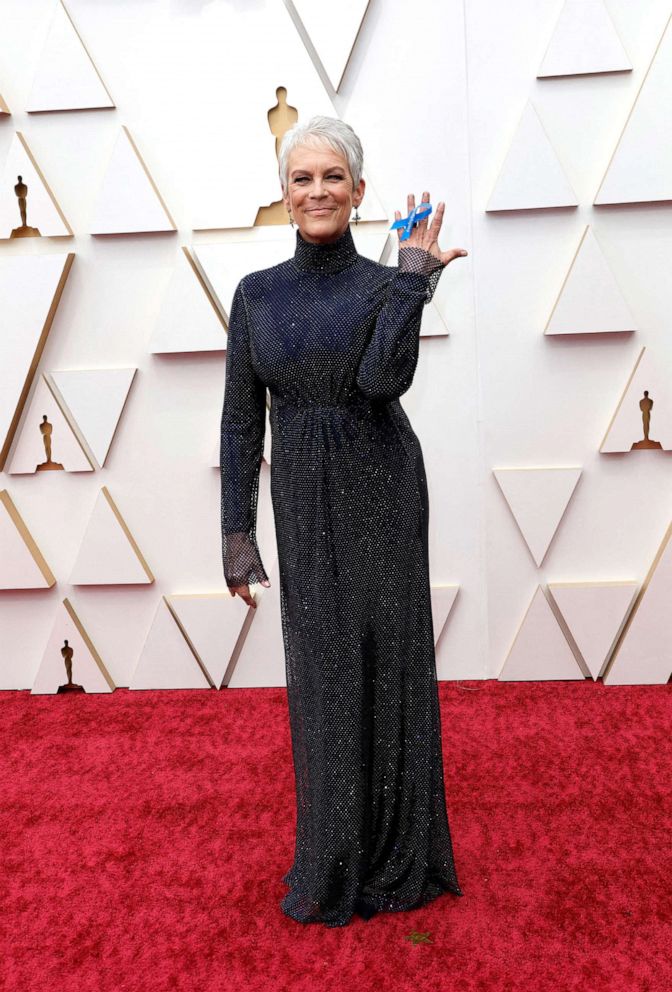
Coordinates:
<point>190,318</point>
<point>30,291</point>
<point>166,660</point>
<point>442,598</point>
<point>626,430</point>
<point>66,78</point>
<point>537,498</point>
<point>590,300</point>
<point>594,613</point>
<point>88,669</point>
<point>333,38</point>
<point>540,650</point>
<point>584,41</point>
<point>128,200</point>
<point>46,441</point>
<point>94,400</point>
<point>109,554</point>
<point>643,654</point>
<point>531,176</point>
<point>22,564</point>
<point>43,213</point>
<point>640,168</point>
<point>212,624</point>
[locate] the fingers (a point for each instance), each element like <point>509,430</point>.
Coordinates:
<point>245,594</point>
<point>453,253</point>
<point>435,226</point>
<point>427,226</point>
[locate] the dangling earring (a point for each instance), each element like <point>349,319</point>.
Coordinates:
<point>291,220</point>
<point>356,216</point>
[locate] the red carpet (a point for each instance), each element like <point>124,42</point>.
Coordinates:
<point>144,835</point>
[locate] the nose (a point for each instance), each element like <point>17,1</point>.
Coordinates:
<point>317,192</point>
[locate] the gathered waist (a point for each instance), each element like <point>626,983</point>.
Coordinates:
<point>301,403</point>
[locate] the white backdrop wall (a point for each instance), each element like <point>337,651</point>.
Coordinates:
<point>435,92</point>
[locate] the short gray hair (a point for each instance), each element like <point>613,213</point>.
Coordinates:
<point>331,130</point>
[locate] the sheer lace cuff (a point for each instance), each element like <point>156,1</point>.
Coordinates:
<point>242,561</point>
<point>414,259</point>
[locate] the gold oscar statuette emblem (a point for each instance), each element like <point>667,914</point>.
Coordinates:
<point>69,686</point>
<point>47,466</point>
<point>24,231</point>
<point>645,405</point>
<point>280,119</point>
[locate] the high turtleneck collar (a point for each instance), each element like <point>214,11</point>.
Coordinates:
<point>331,256</point>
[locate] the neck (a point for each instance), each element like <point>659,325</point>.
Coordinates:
<point>325,256</point>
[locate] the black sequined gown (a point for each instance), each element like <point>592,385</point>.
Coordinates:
<point>335,336</point>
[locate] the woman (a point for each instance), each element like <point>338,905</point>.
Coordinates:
<point>335,336</point>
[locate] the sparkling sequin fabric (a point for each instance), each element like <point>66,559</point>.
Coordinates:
<point>334,336</point>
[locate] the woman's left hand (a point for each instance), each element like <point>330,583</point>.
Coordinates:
<point>424,235</point>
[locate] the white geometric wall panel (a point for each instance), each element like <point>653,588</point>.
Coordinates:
<point>640,168</point>
<point>584,40</point>
<point>108,554</point>
<point>30,291</point>
<point>267,52</point>
<point>189,318</point>
<point>212,624</point>
<point>590,301</point>
<point>333,38</point>
<point>88,669</point>
<point>262,658</point>
<point>166,660</point>
<point>627,425</point>
<point>540,649</point>
<point>531,176</point>
<point>66,78</point>
<point>595,613</point>
<point>22,564</point>
<point>42,211</point>
<point>30,449</point>
<point>643,654</point>
<point>128,200</point>
<point>93,400</point>
<point>537,498</point>
<point>442,598</point>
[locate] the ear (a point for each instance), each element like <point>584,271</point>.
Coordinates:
<point>358,192</point>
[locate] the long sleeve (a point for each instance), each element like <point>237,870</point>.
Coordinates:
<point>388,364</point>
<point>243,424</point>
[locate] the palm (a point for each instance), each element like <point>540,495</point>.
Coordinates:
<point>425,235</point>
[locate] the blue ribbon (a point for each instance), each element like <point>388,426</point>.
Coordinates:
<point>416,215</point>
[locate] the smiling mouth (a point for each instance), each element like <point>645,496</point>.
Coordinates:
<point>319,210</point>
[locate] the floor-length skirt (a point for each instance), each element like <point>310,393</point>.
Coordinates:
<point>351,513</point>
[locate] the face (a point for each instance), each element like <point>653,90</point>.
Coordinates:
<point>320,194</point>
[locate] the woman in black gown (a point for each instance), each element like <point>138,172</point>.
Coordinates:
<point>334,336</point>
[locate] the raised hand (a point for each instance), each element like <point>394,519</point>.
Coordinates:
<point>425,235</point>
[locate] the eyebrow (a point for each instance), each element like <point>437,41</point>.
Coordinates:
<point>329,168</point>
